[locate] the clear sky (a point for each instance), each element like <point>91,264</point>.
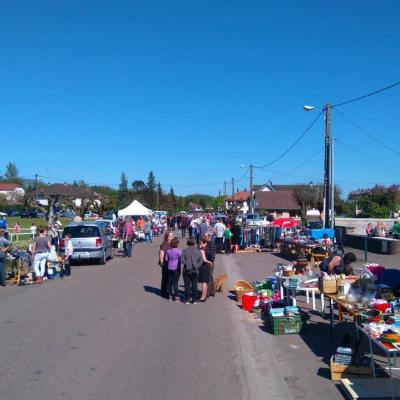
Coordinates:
<point>193,89</point>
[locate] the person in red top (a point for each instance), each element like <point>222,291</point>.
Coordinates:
<point>128,238</point>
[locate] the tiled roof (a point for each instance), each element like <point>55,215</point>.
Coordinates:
<point>7,187</point>
<point>284,200</point>
<point>239,196</point>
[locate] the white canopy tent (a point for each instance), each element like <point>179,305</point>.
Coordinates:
<point>134,209</point>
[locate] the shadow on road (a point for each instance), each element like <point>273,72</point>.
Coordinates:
<point>153,290</point>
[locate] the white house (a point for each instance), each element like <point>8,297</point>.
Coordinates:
<point>11,190</point>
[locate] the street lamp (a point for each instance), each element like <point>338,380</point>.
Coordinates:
<point>328,168</point>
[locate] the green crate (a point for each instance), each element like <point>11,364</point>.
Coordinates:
<point>286,325</point>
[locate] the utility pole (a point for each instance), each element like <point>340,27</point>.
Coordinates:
<point>251,178</point>
<point>327,168</point>
<point>332,187</point>
<point>36,188</point>
<point>233,188</point>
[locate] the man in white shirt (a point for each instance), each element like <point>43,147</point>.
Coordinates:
<point>219,230</point>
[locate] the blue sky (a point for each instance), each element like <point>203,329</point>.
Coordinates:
<point>192,89</point>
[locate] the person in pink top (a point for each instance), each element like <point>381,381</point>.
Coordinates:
<point>128,238</point>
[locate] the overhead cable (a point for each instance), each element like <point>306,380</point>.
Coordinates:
<point>366,95</point>
<point>291,146</point>
<point>367,133</point>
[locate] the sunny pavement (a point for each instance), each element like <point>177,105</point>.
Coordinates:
<point>106,334</point>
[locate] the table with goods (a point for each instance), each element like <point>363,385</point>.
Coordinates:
<point>374,307</point>
<point>371,303</point>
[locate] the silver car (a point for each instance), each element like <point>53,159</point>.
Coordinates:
<point>91,240</point>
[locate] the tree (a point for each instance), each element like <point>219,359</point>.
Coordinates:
<point>376,202</point>
<point>58,195</point>
<point>123,197</point>
<point>218,203</point>
<point>151,195</point>
<point>138,186</point>
<point>171,201</point>
<point>160,197</point>
<point>11,173</point>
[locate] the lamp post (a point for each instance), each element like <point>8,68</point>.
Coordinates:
<point>328,166</point>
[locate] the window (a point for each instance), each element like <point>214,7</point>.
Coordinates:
<point>82,231</point>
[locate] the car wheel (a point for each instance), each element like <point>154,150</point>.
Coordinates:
<point>103,260</point>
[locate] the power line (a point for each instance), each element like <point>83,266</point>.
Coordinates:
<point>365,156</point>
<point>308,160</point>
<point>291,146</point>
<point>367,133</point>
<point>367,95</point>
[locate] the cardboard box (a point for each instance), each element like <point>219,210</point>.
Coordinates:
<point>339,371</point>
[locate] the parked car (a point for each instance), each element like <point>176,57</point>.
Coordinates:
<point>111,225</point>
<point>256,220</point>
<point>29,214</point>
<point>91,240</point>
<point>90,215</point>
<point>68,214</point>
<point>13,213</point>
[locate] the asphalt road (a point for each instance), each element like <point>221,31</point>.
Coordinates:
<point>106,334</point>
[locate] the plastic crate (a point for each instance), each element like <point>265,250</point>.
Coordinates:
<point>286,325</point>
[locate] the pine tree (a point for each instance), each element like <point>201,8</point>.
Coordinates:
<point>160,197</point>
<point>11,173</point>
<point>171,201</point>
<point>151,195</point>
<point>123,193</point>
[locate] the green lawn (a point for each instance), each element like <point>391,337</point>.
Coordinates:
<point>27,222</point>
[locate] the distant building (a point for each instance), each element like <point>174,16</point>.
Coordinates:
<point>240,199</point>
<point>11,190</point>
<point>277,203</point>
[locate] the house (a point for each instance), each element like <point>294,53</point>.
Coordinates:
<point>269,187</point>
<point>240,199</point>
<point>277,203</point>
<point>11,191</point>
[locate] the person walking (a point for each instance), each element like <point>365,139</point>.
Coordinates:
<point>40,252</point>
<point>33,230</point>
<point>191,260</point>
<point>210,252</point>
<point>128,238</point>
<point>183,226</point>
<point>17,230</point>
<point>69,250</point>
<point>203,228</point>
<point>165,245</point>
<point>219,230</point>
<point>4,246</point>
<point>228,241</point>
<point>173,259</point>
<point>204,271</point>
<point>147,229</point>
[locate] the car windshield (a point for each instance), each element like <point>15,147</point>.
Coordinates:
<point>83,231</point>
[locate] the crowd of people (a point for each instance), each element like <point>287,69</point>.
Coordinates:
<point>382,230</point>
<point>195,262</point>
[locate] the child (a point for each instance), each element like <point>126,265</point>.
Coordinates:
<point>228,240</point>
<point>173,259</point>
<point>69,249</point>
